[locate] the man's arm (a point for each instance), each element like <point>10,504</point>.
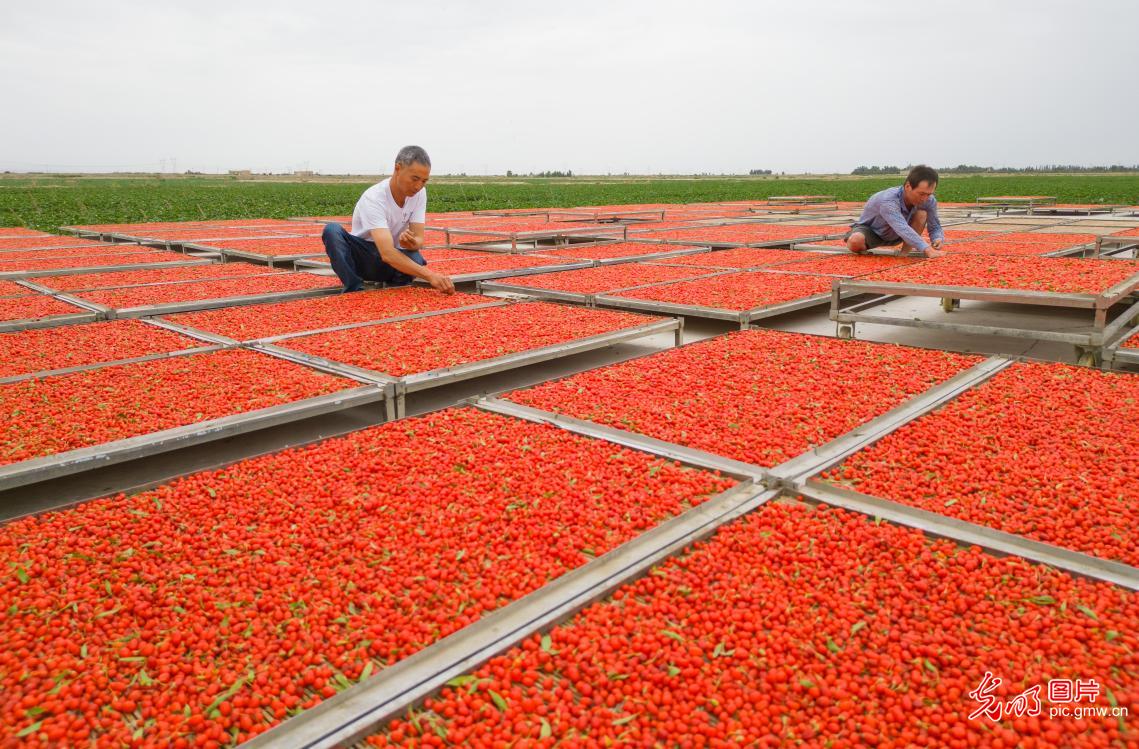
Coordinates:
<point>396,259</point>
<point>893,215</point>
<point>933,225</point>
<point>412,237</point>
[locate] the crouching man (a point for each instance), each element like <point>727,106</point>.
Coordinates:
<point>387,231</point>
<point>901,215</point>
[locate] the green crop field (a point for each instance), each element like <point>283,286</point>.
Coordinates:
<point>53,201</point>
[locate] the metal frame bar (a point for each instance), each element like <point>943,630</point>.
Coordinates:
<point>447,375</point>
<point>76,231</point>
<point>792,474</point>
<point>322,364</point>
<point>669,308</point>
<point>1090,210</point>
<point>972,534</point>
<point>305,262</point>
<point>70,462</point>
<point>803,199</point>
<point>1116,353</point>
<point>186,330</point>
<point>357,712</point>
<point>508,212</point>
<point>370,323</point>
<point>182,245</point>
<point>51,321</point>
<point>1101,333</point>
<point>585,214</point>
<point>660,448</point>
<point>571,297</point>
<point>590,299</point>
<point>270,260</point>
<point>1121,244</point>
<point>652,256</point>
<point>1019,201</point>
<point>33,286</point>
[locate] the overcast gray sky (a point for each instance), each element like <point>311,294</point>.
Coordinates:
<point>596,87</point>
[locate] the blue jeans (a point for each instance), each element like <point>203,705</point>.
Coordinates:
<point>356,260</point>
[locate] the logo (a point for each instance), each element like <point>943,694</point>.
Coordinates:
<point>1068,698</point>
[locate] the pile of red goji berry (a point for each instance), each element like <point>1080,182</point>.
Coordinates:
<point>63,253</point>
<point>1055,274</point>
<point>508,225</point>
<point>274,246</point>
<point>613,250</point>
<point>192,291</point>
<point>210,608</point>
<point>282,318</point>
<point>759,396</point>
<point>42,349</point>
<point>435,254</point>
<point>150,257</point>
<point>430,254</point>
<point>491,262</point>
<point>206,233</point>
<point>640,229</point>
<point>993,247</point>
<point>34,307</point>
<point>11,288</point>
<point>1055,238</point>
<point>607,277</point>
<point>66,412</point>
<point>810,626</point>
<point>12,232</point>
<point>1045,451</point>
<point>736,291</point>
<point>48,241</point>
<point>111,279</point>
<point>741,257</point>
<point>420,345</point>
<point>845,264</point>
<point>743,233</point>
<point>270,224</point>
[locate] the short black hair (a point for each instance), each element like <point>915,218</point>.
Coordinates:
<point>409,155</point>
<point>922,173</point>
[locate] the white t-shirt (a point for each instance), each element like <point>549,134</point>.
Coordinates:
<point>377,209</point>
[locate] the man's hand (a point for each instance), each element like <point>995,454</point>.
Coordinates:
<point>442,283</point>
<point>409,241</point>
<point>937,243</point>
<point>933,251</point>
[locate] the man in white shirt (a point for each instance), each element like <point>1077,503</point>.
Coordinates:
<point>387,230</point>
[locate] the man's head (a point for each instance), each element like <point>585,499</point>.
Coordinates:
<point>920,184</point>
<point>412,170</point>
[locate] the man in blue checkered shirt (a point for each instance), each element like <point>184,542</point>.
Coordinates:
<point>901,215</point>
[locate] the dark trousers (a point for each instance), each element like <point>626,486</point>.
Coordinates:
<point>356,260</point>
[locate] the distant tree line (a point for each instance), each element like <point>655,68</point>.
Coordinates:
<point>1074,168</point>
<point>877,170</point>
<point>972,169</point>
<point>567,173</point>
<point>755,172</point>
